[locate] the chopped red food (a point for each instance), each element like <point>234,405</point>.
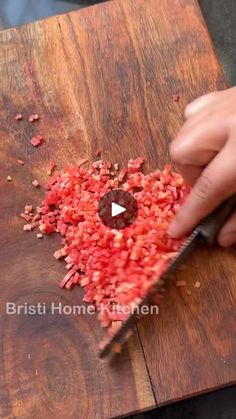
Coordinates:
<point>181,283</point>
<point>116,268</point>
<point>33,117</point>
<point>175,98</point>
<point>18,117</point>
<point>35,183</point>
<point>28,209</point>
<point>37,140</point>
<point>60,253</point>
<point>34,224</point>
<point>26,217</point>
<point>27,227</point>
<point>21,162</point>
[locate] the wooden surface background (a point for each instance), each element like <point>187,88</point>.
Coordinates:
<point>104,77</point>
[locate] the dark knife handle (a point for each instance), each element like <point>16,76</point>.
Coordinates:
<point>211,225</point>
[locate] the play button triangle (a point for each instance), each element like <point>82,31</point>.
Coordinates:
<point>116,209</point>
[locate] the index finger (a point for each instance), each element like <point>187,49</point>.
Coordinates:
<point>216,183</point>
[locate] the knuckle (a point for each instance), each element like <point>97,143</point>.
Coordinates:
<point>176,152</point>
<point>205,188</point>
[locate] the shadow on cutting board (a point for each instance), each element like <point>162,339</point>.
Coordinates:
<point>18,12</point>
<point>220,404</point>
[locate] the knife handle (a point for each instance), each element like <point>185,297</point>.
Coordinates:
<point>211,225</point>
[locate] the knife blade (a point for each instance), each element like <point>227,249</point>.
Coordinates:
<point>205,233</point>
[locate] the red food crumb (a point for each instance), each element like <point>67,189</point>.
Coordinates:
<point>175,98</point>
<point>18,117</point>
<point>21,162</point>
<point>116,268</point>
<point>34,224</point>
<point>35,183</point>
<point>27,227</point>
<point>26,217</point>
<point>180,283</point>
<point>36,141</point>
<point>60,253</point>
<point>33,117</point>
<point>28,209</point>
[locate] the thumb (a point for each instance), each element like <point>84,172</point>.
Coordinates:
<point>202,103</point>
<point>216,183</point>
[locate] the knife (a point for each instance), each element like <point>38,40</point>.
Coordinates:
<point>205,233</point>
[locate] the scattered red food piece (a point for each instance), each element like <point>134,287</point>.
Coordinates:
<point>175,98</point>
<point>51,167</point>
<point>27,227</point>
<point>18,117</point>
<point>37,140</point>
<point>28,209</point>
<point>116,268</point>
<point>33,117</point>
<point>35,183</point>
<point>60,253</point>
<point>26,217</point>
<point>34,224</point>
<point>181,283</point>
<point>21,162</point>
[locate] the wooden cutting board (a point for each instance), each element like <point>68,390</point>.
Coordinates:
<point>103,77</point>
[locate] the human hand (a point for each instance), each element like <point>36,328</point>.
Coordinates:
<point>204,152</point>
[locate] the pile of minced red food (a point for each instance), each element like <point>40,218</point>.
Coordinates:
<point>114,267</point>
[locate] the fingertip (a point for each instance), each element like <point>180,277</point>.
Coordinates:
<point>199,104</point>
<point>175,230</point>
<point>227,235</point>
<point>227,240</point>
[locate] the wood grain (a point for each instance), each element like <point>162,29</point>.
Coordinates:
<point>103,77</point>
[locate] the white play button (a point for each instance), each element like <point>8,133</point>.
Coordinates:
<point>116,209</point>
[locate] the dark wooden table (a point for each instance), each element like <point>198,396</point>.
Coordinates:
<point>104,77</point>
